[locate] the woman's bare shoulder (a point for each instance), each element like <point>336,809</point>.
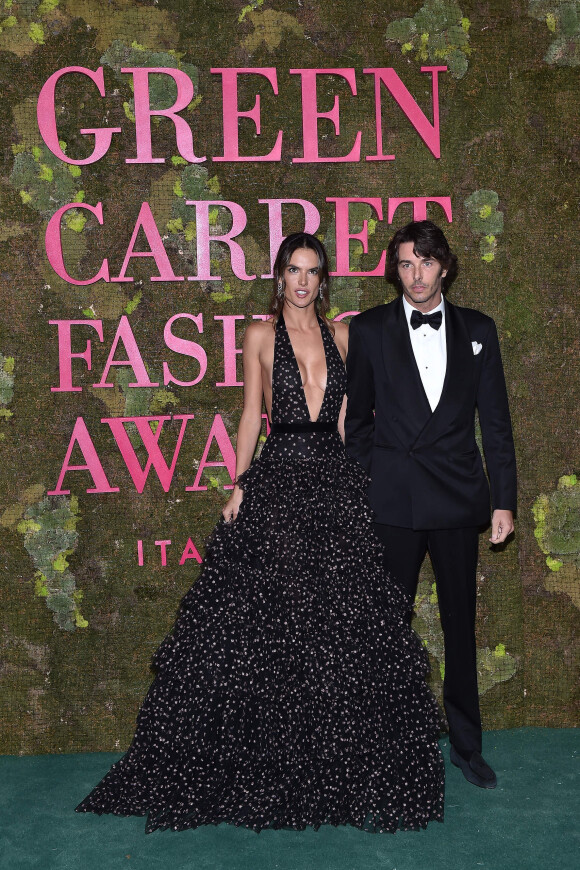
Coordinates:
<point>258,333</point>
<point>260,327</point>
<point>341,329</point>
<point>341,334</point>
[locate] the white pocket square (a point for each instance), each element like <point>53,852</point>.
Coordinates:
<point>476,347</point>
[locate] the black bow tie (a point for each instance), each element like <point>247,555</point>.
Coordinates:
<point>434,320</point>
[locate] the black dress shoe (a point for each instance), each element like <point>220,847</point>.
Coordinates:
<point>474,769</point>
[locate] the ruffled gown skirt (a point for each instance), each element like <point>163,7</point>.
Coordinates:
<point>291,692</point>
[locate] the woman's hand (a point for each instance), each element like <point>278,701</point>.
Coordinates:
<point>232,506</point>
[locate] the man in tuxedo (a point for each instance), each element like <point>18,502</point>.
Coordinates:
<point>418,368</point>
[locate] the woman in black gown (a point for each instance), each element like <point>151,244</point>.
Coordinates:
<point>291,691</point>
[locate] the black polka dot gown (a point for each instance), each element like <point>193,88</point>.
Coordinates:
<point>291,691</point>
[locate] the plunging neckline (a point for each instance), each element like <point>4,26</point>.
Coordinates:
<point>302,390</point>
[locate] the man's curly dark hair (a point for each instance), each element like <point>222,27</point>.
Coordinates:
<point>428,241</point>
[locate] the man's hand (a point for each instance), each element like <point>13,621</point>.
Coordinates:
<point>502,525</point>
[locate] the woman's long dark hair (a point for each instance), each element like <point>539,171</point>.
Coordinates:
<point>290,244</point>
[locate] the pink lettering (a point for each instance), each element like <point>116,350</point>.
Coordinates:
<point>46,117</point>
<point>93,465</point>
<point>344,314</point>
<point>230,350</point>
<point>53,244</point>
<point>146,222</point>
<point>232,114</point>
<point>311,116</point>
<point>163,547</point>
<point>125,334</point>
<point>65,354</point>
<point>143,114</point>
<point>204,239</point>
<point>185,347</point>
<point>218,432</point>
<point>311,222</point>
<point>419,206</point>
<point>190,552</point>
<point>428,132</point>
<point>150,441</point>
<point>343,235</point>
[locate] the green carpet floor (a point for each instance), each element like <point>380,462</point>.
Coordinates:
<point>530,821</point>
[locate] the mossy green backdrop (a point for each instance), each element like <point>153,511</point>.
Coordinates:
<point>80,617</point>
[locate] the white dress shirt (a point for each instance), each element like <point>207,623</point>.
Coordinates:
<point>430,349</point>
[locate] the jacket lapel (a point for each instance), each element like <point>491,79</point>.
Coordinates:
<point>459,384</point>
<point>401,368</point>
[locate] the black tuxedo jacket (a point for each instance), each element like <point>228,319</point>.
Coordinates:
<point>425,467</point>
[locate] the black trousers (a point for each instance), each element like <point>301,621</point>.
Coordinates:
<point>453,554</point>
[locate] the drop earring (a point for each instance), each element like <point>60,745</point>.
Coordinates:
<point>280,290</point>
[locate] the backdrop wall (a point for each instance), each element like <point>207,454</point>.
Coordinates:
<point>120,372</point>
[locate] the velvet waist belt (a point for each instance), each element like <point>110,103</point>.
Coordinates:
<point>302,428</point>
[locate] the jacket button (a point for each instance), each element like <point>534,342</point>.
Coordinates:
<point>395,419</point>
<point>411,452</point>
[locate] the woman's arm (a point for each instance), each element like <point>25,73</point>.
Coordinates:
<point>251,419</point>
